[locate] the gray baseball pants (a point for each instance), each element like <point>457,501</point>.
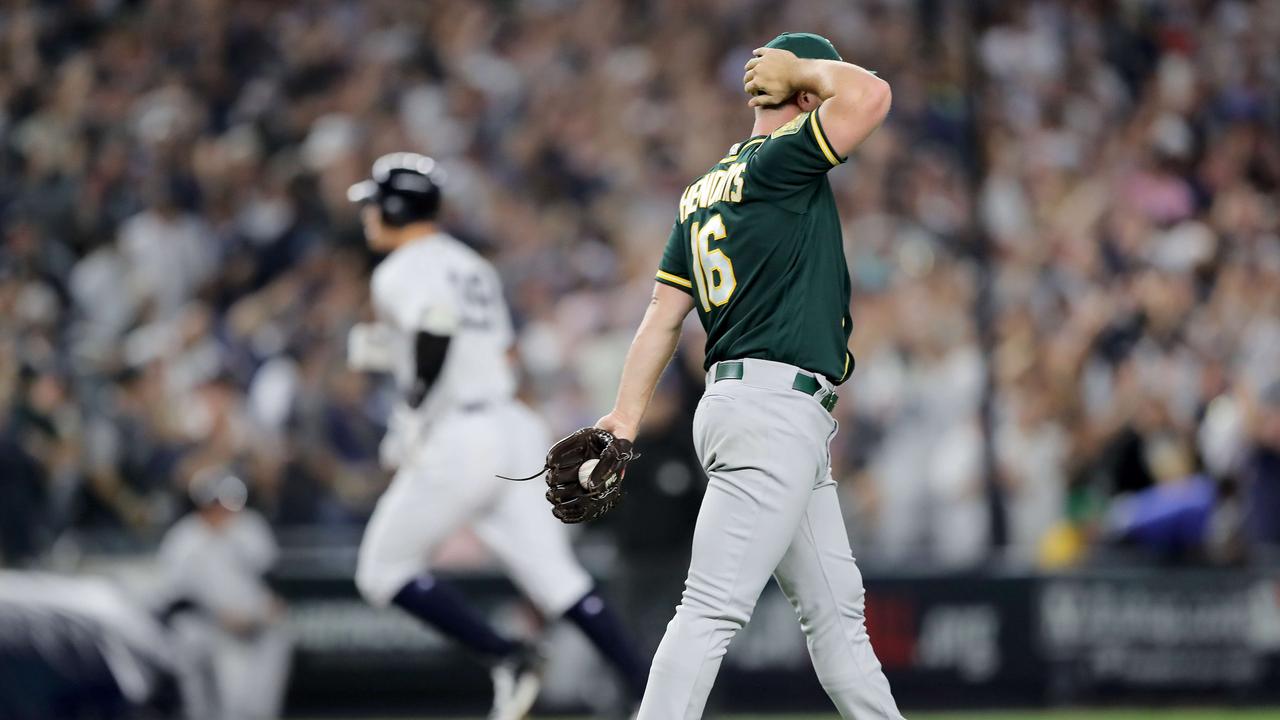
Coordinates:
<point>770,509</point>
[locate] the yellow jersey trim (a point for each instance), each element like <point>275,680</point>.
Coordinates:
<point>821,138</point>
<point>731,158</point>
<point>845,374</point>
<point>791,127</point>
<point>674,279</point>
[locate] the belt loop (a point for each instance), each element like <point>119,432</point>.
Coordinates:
<point>728,370</point>
<point>813,385</point>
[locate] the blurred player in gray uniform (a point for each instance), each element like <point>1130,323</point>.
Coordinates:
<point>443,332</point>
<point>214,560</point>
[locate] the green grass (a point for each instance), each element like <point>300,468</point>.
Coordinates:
<point>1109,715</point>
<point>1202,714</point>
<point>1206,714</point>
<point>1084,714</point>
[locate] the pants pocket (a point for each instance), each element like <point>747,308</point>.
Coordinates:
<point>710,405</point>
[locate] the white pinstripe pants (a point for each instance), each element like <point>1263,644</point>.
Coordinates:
<point>770,509</point>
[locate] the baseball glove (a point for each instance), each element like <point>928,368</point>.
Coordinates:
<point>577,493</point>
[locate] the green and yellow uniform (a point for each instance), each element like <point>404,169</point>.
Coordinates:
<point>757,242</point>
<point>757,245</point>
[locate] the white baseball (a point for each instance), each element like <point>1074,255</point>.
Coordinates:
<point>584,472</point>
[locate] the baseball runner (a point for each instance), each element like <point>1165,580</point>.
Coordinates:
<point>444,333</point>
<point>756,249</point>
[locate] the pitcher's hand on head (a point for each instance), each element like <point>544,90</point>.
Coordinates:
<point>770,76</point>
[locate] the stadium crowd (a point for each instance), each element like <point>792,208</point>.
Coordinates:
<point>179,265</point>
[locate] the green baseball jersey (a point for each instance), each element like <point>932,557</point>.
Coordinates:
<point>757,243</point>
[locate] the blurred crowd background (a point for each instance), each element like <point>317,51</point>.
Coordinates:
<point>1064,243</point>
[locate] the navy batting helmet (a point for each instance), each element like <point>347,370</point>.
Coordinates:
<point>405,186</point>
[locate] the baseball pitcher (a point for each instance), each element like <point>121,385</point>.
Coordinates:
<point>756,250</point>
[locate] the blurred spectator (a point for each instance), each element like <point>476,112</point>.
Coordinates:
<point>1171,518</point>
<point>1260,474</point>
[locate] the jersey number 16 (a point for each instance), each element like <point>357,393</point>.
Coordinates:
<point>712,269</point>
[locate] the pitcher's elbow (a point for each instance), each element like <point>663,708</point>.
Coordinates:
<point>879,96</point>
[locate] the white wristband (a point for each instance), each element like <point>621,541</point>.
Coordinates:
<point>371,347</point>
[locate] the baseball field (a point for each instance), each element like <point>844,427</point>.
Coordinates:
<point>1080,714</point>
<point>1133,714</point>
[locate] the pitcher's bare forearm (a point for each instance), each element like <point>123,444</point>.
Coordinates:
<point>651,350</point>
<point>829,79</point>
<point>854,100</point>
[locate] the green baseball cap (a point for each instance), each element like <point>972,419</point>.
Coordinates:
<point>806,45</point>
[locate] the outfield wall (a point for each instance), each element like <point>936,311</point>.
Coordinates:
<point>955,641</point>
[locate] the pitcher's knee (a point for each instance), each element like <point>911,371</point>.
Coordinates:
<point>853,606</point>
<point>706,604</point>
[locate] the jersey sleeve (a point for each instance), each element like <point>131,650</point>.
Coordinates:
<point>794,155</point>
<point>256,542</point>
<point>421,304</point>
<point>174,560</point>
<point>673,269</point>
